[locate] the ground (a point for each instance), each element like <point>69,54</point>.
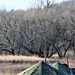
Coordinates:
<point>11,65</point>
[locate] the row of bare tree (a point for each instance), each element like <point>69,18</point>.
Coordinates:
<point>44,31</point>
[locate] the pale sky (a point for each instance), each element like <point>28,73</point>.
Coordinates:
<point>19,4</point>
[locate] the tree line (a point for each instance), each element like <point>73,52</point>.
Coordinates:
<point>40,31</point>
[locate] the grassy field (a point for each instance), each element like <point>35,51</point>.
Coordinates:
<point>12,65</point>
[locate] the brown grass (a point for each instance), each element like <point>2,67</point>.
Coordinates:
<point>24,58</point>
<point>11,65</point>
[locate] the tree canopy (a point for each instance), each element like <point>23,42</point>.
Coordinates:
<point>44,31</point>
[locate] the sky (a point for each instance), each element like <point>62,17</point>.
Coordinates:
<point>19,4</point>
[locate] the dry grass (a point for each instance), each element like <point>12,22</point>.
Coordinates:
<point>24,58</point>
<point>12,69</point>
<point>11,65</point>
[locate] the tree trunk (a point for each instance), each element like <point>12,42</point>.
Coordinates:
<point>74,53</point>
<point>13,52</point>
<point>51,53</point>
<point>65,53</point>
<point>47,51</point>
<point>59,53</point>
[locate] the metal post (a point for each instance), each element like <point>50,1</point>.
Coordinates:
<point>67,60</point>
<point>45,56</point>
